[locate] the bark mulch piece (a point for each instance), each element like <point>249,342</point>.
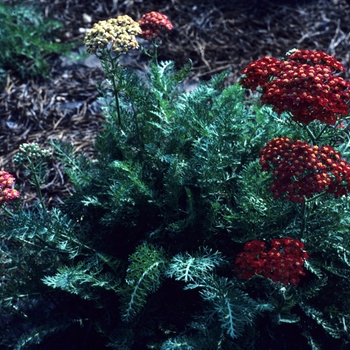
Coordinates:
<point>215,35</point>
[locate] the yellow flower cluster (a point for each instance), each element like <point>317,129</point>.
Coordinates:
<point>115,34</point>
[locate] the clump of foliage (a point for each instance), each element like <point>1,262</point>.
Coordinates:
<point>175,236</point>
<point>27,38</point>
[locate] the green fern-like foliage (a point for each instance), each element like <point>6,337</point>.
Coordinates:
<point>78,168</point>
<point>81,279</point>
<point>144,250</point>
<point>177,343</point>
<point>27,38</point>
<point>143,277</point>
<point>36,335</point>
<point>190,268</point>
<point>180,172</point>
<point>228,304</point>
<point>32,244</point>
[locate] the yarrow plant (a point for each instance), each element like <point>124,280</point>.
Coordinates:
<point>116,34</point>
<point>153,24</point>
<point>7,192</point>
<point>147,251</point>
<point>303,84</point>
<point>110,39</point>
<point>30,152</point>
<point>28,39</point>
<point>301,171</point>
<point>33,159</point>
<point>283,262</point>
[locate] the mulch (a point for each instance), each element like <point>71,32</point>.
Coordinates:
<point>215,35</point>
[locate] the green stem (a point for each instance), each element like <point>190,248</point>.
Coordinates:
<point>37,185</point>
<point>309,200</point>
<point>115,87</point>
<point>322,131</point>
<point>3,207</point>
<point>311,134</point>
<point>314,138</point>
<point>116,96</point>
<point>110,66</point>
<point>155,51</point>
<point>138,132</point>
<point>154,54</point>
<point>303,217</point>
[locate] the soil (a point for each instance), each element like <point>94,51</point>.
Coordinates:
<point>215,35</point>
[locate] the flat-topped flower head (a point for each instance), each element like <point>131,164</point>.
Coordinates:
<point>259,73</point>
<point>6,179</point>
<point>283,262</point>
<point>116,34</point>
<point>301,171</point>
<point>153,23</point>
<point>312,58</point>
<point>303,84</point>
<point>30,151</point>
<point>7,192</point>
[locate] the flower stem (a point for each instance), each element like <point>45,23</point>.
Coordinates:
<point>3,207</point>
<point>303,217</point>
<point>112,73</point>
<point>322,131</point>
<point>155,51</point>
<point>309,200</point>
<point>153,54</point>
<point>311,134</point>
<point>116,96</point>
<point>37,185</point>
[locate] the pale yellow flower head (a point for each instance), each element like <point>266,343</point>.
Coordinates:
<point>115,34</point>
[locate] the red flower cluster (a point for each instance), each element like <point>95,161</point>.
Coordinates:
<point>303,84</point>
<point>260,72</point>
<point>7,193</point>
<point>282,263</point>
<point>153,23</point>
<point>302,170</point>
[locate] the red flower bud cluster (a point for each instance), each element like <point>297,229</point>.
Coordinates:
<point>153,23</point>
<point>7,193</point>
<point>303,84</point>
<point>282,263</point>
<point>302,170</point>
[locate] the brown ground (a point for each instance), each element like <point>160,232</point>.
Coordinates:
<point>216,35</point>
